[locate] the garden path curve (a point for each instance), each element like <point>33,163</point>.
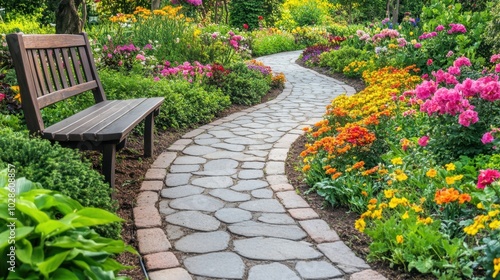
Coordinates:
<point>217,203</point>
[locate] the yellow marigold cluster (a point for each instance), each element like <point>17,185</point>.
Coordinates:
<point>490,221</point>
<point>167,11</point>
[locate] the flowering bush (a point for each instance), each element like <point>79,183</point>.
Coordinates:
<point>10,98</point>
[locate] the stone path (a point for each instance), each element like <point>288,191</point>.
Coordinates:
<point>217,204</point>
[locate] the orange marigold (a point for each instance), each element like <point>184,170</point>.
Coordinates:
<point>444,195</point>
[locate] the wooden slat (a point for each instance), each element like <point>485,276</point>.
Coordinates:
<point>47,41</point>
<point>62,94</point>
<point>59,130</point>
<point>32,69</point>
<point>39,73</point>
<point>77,63</point>
<point>48,78</point>
<point>130,120</point>
<point>53,69</point>
<point>69,66</point>
<point>60,68</point>
<point>85,63</point>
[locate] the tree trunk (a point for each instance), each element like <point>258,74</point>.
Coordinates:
<point>395,14</point>
<point>155,4</point>
<point>67,19</point>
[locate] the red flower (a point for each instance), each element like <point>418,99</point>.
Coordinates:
<point>245,26</point>
<point>260,17</point>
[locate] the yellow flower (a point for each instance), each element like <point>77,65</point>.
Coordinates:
<point>495,224</point>
<point>399,239</point>
<point>496,267</point>
<point>360,225</point>
<point>405,216</point>
<point>389,193</point>
<point>493,213</point>
<point>372,201</point>
<point>397,160</point>
<point>377,214</point>
<point>480,205</point>
<point>425,221</point>
<point>450,166</point>
<point>450,180</point>
<point>417,208</point>
<point>196,32</point>
<point>400,175</point>
<point>364,193</point>
<point>411,33</point>
<point>431,173</point>
<point>306,168</point>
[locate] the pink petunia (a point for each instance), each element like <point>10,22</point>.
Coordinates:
<point>423,141</point>
<point>487,138</point>
<point>462,61</point>
<point>468,117</point>
<point>486,177</point>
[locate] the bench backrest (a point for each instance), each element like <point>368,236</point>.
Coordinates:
<point>51,68</point>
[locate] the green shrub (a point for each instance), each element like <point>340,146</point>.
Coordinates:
<point>186,104</point>
<point>246,12</point>
<point>274,43</point>
<point>245,86</point>
<point>60,169</point>
<point>492,33</point>
<point>52,238</point>
<point>338,59</point>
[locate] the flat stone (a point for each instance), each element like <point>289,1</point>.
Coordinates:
<point>291,199</point>
<point>146,217</point>
<point>274,249</point>
<point>243,141</point>
<point>340,254</point>
<point>203,242</point>
<point>229,147</point>
<point>164,160</point>
<point>275,271</point>
<point>263,205</point>
<point>194,220</point>
<point>207,141</point>
<point>193,133</point>
<point>198,202</point>
<point>152,185</point>
<point>233,215</point>
<point>253,165</point>
<point>275,168</point>
<point>225,172</point>
<point>250,174</point>
<point>248,185</point>
<point>152,240</point>
<point>278,154</point>
<point>155,174</point>
<point>317,270</point>
<point>251,228</point>
<point>215,182</point>
<point>303,213</point>
<point>219,265</point>
<point>261,147</point>
<point>367,274</point>
<point>262,193</point>
<point>174,232</point>
<point>164,208</point>
<point>279,219</point>
<point>189,160</point>
<point>277,179</point>
<point>178,179</point>
<point>229,195</point>
<point>147,198</point>
<point>221,134</point>
<point>161,260</point>
<point>196,150</point>
<point>170,274</point>
<point>224,155</point>
<point>184,168</point>
<point>282,188</point>
<point>319,231</point>
<point>181,191</point>
<point>220,164</point>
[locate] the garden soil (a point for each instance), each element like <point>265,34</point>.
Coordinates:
<point>131,167</point>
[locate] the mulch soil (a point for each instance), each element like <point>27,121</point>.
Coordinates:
<point>131,167</point>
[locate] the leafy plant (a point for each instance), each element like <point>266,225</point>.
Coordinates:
<point>50,237</point>
<point>244,85</point>
<point>336,60</point>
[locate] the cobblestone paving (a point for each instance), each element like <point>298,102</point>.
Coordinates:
<point>217,204</point>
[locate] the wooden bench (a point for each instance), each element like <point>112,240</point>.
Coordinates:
<point>51,68</point>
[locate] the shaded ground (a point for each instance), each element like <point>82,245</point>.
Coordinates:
<point>131,168</point>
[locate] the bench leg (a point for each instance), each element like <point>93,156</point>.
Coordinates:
<point>108,163</point>
<point>148,136</point>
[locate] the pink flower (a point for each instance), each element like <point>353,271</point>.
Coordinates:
<point>423,141</point>
<point>2,96</point>
<point>148,47</point>
<point>417,45</point>
<point>494,58</point>
<point>486,177</point>
<point>497,68</point>
<point>156,79</point>
<point>453,70</point>
<point>104,48</point>
<point>425,90</point>
<point>425,76</point>
<point>429,62</point>
<point>489,89</point>
<point>140,57</point>
<point>457,28</point>
<point>439,28</point>
<point>487,138</point>
<point>245,26</point>
<point>110,55</point>
<point>468,88</point>
<point>449,54</point>
<point>462,61</point>
<point>468,117</point>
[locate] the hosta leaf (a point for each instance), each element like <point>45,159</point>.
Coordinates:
<point>90,217</point>
<point>24,251</point>
<point>52,227</point>
<point>62,273</point>
<point>30,210</point>
<point>52,263</point>
<point>21,232</point>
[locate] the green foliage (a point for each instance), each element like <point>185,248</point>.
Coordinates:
<point>186,104</point>
<point>60,169</point>
<point>246,12</point>
<point>491,35</point>
<point>336,60</point>
<point>113,7</point>
<point>51,235</point>
<point>245,86</point>
<point>264,44</point>
<point>307,14</point>
<point>27,24</point>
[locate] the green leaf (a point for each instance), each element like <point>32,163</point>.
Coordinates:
<point>62,273</point>
<point>90,217</point>
<point>29,208</point>
<point>24,251</point>
<point>21,232</point>
<point>52,227</point>
<point>423,266</point>
<point>52,263</point>
<point>24,185</point>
